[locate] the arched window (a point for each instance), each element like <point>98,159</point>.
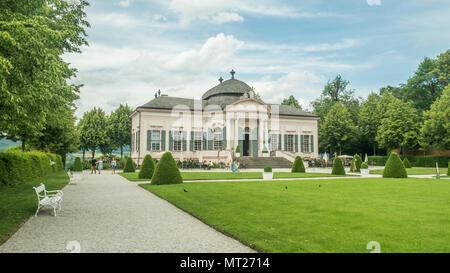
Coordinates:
<point>218,138</point>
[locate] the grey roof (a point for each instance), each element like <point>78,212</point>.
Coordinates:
<point>231,86</point>
<point>168,103</point>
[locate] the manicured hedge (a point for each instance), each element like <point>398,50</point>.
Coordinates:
<point>17,166</point>
<point>129,166</point>
<point>268,169</point>
<point>298,166</point>
<point>416,161</point>
<point>448,169</point>
<point>338,168</point>
<point>147,168</point>
<point>167,171</point>
<point>406,163</point>
<point>364,165</point>
<point>77,167</point>
<point>394,167</point>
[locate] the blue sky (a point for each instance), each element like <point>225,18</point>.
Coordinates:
<point>279,47</point>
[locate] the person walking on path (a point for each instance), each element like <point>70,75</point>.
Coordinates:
<point>113,165</point>
<point>100,165</point>
<point>93,165</point>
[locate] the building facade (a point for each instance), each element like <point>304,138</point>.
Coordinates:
<point>228,115</point>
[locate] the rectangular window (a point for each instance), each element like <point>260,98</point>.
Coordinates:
<point>197,141</point>
<point>273,142</point>
<point>156,140</point>
<point>290,143</point>
<point>218,138</point>
<point>306,143</point>
<point>177,140</point>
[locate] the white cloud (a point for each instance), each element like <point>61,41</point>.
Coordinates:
<point>303,85</point>
<point>113,19</point>
<point>124,3</point>
<point>373,2</point>
<point>215,51</point>
<point>222,11</point>
<point>224,17</point>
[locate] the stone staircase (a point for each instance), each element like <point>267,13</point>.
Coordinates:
<point>248,162</point>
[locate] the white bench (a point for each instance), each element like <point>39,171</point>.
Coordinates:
<point>48,198</point>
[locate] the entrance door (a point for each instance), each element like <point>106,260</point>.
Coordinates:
<point>246,144</point>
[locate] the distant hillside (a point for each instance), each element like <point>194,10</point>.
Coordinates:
<point>6,143</point>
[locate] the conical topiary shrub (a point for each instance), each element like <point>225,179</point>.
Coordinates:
<point>406,163</point>
<point>358,162</point>
<point>167,171</point>
<point>338,168</point>
<point>448,169</point>
<point>298,166</point>
<point>129,166</point>
<point>77,167</point>
<point>394,167</point>
<point>147,168</point>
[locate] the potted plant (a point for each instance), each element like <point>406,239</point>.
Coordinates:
<point>267,174</point>
<point>364,168</point>
<point>265,152</point>
<point>238,151</point>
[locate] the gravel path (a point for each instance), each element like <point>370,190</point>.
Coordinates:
<point>107,213</point>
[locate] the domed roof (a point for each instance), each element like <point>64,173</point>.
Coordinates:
<point>229,87</point>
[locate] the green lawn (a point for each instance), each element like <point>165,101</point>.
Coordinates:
<point>416,170</point>
<point>337,215</point>
<point>18,203</point>
<point>229,175</point>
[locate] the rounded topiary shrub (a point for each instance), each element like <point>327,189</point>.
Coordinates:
<point>394,167</point>
<point>167,171</point>
<point>448,169</point>
<point>268,169</point>
<point>364,165</point>
<point>147,168</point>
<point>406,163</point>
<point>129,166</point>
<point>77,167</point>
<point>298,166</point>
<point>338,168</point>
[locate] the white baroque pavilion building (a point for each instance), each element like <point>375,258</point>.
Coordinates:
<point>210,128</point>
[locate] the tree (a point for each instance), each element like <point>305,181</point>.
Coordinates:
<point>92,128</point>
<point>33,76</point>
<point>119,127</point>
<point>442,68</point>
<point>292,101</point>
<point>399,127</point>
<point>338,130</point>
<point>435,132</point>
<point>369,119</point>
<point>336,91</point>
<point>59,135</point>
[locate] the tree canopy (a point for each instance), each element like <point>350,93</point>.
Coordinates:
<point>292,101</point>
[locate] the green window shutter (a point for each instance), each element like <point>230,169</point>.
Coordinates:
<point>279,142</point>
<point>170,141</point>
<point>285,142</point>
<point>205,141</point>
<point>224,142</point>
<point>184,141</point>
<point>191,142</point>
<point>296,143</point>
<point>210,139</point>
<point>302,149</point>
<point>163,140</point>
<point>312,144</point>
<point>149,140</point>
